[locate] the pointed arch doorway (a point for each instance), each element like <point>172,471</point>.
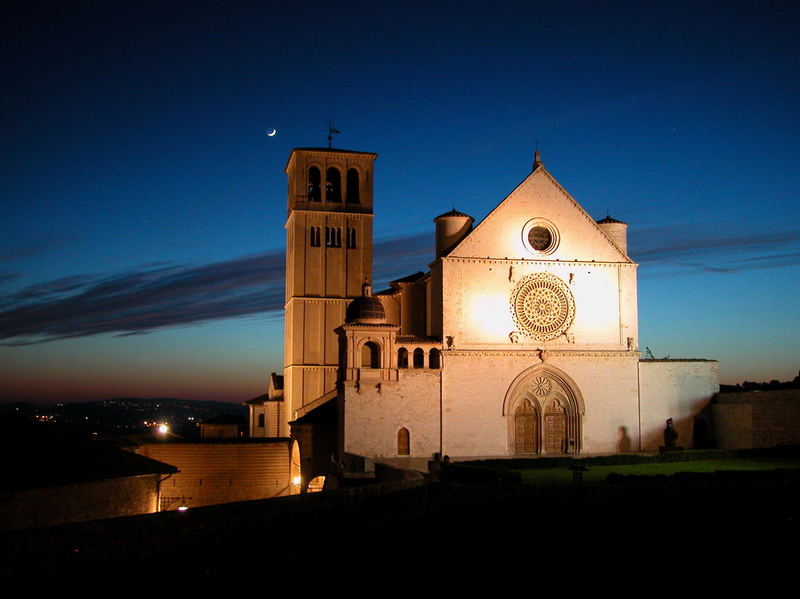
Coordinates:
<point>544,410</point>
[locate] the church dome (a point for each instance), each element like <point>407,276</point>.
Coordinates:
<point>365,309</point>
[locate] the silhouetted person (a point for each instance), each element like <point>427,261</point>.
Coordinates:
<point>670,435</point>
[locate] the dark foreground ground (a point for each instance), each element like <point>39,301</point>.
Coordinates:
<point>652,530</point>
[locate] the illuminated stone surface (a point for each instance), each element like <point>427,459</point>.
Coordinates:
<point>521,338</point>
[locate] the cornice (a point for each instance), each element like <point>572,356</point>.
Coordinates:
<point>332,214</point>
<point>538,262</point>
<point>549,353</point>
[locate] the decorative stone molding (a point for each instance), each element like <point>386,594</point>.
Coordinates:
<point>551,353</point>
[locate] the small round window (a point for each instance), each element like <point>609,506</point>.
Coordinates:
<point>540,236</point>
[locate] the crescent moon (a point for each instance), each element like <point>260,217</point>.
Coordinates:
<point>272,133</point>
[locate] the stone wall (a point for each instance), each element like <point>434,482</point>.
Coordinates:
<point>221,472</point>
<point>476,385</point>
<point>33,508</point>
<point>377,412</point>
<point>757,419</point>
<point>677,389</point>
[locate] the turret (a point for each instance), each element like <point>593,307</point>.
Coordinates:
<point>451,227</point>
<point>617,231</point>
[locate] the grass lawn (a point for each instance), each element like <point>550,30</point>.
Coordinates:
<point>595,474</point>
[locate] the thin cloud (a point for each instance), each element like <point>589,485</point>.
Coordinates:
<point>677,250</point>
<point>42,243</point>
<point>159,296</point>
<point>167,295</point>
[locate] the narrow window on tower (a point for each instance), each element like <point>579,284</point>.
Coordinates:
<point>314,237</point>
<point>314,191</point>
<point>353,191</point>
<point>333,237</point>
<point>351,238</point>
<point>333,185</point>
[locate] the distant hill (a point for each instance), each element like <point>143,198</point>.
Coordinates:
<point>125,415</point>
<point>773,385</point>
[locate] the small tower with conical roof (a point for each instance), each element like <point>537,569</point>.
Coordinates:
<point>617,232</point>
<point>451,227</point>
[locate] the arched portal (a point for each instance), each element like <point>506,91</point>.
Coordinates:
<point>544,410</point>
<point>316,484</point>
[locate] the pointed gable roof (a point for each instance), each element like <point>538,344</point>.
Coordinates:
<point>540,196</point>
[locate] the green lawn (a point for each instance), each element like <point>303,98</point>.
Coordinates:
<point>596,474</point>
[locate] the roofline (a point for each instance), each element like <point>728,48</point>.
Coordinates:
<point>540,168</point>
<point>328,150</point>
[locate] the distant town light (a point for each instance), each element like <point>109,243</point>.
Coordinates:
<point>163,429</point>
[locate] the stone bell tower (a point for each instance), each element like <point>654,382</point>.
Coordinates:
<point>328,258</point>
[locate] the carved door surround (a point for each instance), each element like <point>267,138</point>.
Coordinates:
<point>544,410</point>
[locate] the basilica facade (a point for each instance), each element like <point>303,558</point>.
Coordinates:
<point>520,337</point>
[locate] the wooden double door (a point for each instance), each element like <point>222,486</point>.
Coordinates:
<point>526,429</point>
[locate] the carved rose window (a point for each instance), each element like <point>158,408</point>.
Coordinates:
<point>542,306</point>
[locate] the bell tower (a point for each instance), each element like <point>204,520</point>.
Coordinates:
<point>328,258</point>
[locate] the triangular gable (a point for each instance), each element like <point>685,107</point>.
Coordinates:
<point>500,234</point>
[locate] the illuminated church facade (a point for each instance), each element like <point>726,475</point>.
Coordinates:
<point>521,338</point>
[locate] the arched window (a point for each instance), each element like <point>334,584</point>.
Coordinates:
<point>370,355</point>
<point>403,442</point>
<point>333,237</point>
<point>314,180</point>
<point>314,237</point>
<point>402,358</point>
<point>419,358</point>
<point>333,186</point>
<point>433,358</point>
<point>351,238</point>
<point>353,192</point>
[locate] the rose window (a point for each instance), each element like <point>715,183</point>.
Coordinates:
<point>542,306</point>
<point>541,386</point>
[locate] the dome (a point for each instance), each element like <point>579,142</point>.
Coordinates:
<point>365,309</point>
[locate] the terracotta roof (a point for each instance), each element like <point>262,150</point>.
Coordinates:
<point>261,399</point>
<point>337,150</point>
<point>277,380</point>
<point>452,212</point>
<point>409,279</point>
<point>326,413</point>
<point>608,220</point>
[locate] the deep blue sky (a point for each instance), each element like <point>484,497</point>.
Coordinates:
<point>143,204</point>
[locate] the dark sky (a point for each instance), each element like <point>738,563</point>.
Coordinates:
<point>143,205</point>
